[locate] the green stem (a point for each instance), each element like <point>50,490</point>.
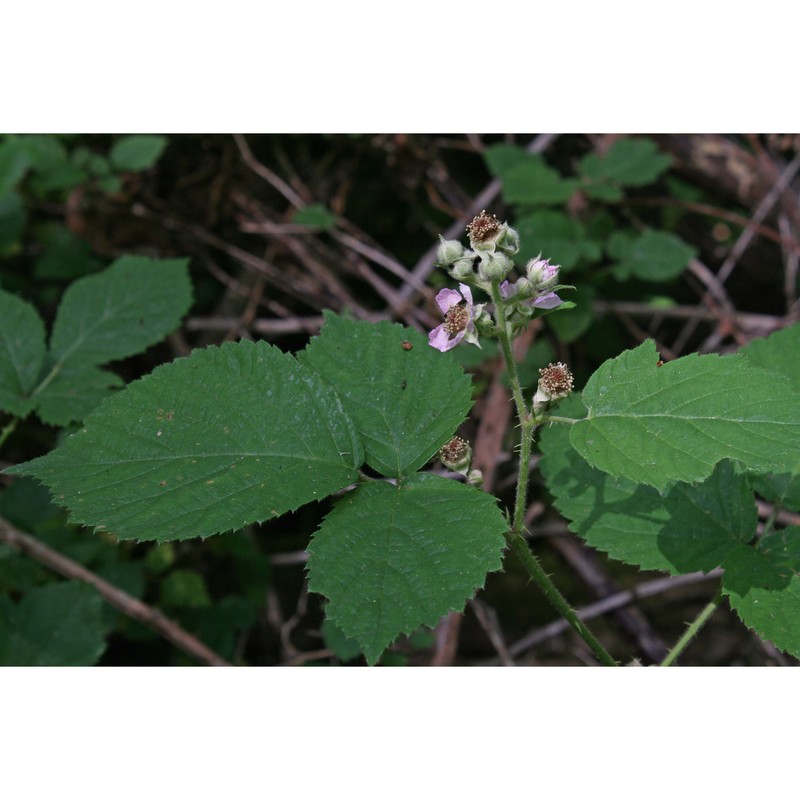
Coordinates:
<point>508,355</point>
<point>47,380</point>
<point>515,537</point>
<point>520,547</point>
<point>693,629</point>
<point>8,430</point>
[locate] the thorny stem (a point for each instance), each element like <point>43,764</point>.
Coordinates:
<point>515,537</point>
<point>693,629</point>
<point>520,547</point>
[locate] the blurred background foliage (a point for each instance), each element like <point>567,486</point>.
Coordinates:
<point>693,240</point>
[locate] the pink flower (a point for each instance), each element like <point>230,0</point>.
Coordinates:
<point>549,300</point>
<point>458,319</point>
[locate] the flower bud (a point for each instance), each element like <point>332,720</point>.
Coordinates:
<point>542,274</point>
<point>449,250</point>
<point>508,242</point>
<point>475,478</point>
<point>524,290</point>
<point>494,267</point>
<point>456,455</point>
<point>464,267</point>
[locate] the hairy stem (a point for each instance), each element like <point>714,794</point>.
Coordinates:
<point>520,547</point>
<point>515,537</point>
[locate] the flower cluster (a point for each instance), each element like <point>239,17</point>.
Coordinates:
<point>487,265</point>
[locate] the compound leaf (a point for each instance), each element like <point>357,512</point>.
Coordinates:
<point>22,351</point>
<point>655,256</point>
<point>689,528</point>
<point>763,586</point>
<point>120,311</point>
<point>629,162</point>
<point>74,393</point>
<point>655,425</point>
<point>778,352</point>
<point>532,181</point>
<point>228,436</point>
<point>392,558</point>
<point>405,398</point>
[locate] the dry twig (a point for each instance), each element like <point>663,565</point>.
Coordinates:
<point>114,596</point>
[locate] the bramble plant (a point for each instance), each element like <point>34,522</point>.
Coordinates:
<point>654,463</point>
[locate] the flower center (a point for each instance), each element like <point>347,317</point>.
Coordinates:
<point>456,319</point>
<point>483,227</point>
<point>556,379</point>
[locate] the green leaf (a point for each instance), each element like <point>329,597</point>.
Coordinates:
<point>532,181</point>
<point>607,192</point>
<point>502,158</point>
<point>778,353</point>
<point>782,489</point>
<point>138,152</point>
<point>689,528</point>
<point>315,216</point>
<point>654,256</point>
<point>121,311</point>
<point>45,152</point>
<point>656,424</point>
<point>572,326</point>
<point>393,558</point>
<point>14,163</point>
<point>630,162</point>
<point>219,626</point>
<point>763,586</point>
<point>12,221</point>
<point>74,393</point>
<point>65,256</point>
<point>343,648</point>
<point>224,438</point>
<point>619,244</point>
<point>21,353</point>
<point>405,403</point>
<point>555,236</point>
<point>59,625</point>
<point>184,587</point>
<point>110,183</point>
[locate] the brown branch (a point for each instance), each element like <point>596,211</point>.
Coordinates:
<point>114,596</point>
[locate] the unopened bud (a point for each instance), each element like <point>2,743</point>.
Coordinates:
<point>494,267</point>
<point>456,455</point>
<point>449,250</point>
<point>475,478</point>
<point>508,242</point>
<point>464,267</point>
<point>542,274</point>
<point>521,289</point>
